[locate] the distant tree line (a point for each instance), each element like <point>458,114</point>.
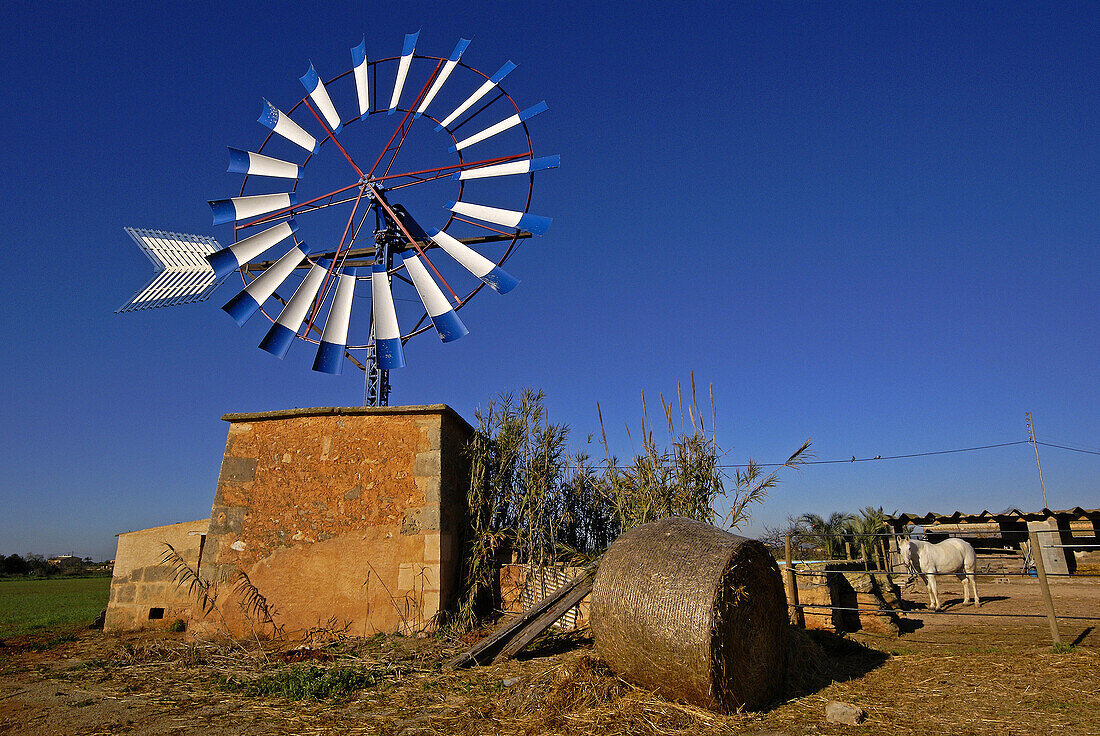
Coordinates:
<point>32,565</point>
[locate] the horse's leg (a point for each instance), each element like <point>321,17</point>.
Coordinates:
<point>933,592</point>
<point>973,587</point>
<point>966,590</point>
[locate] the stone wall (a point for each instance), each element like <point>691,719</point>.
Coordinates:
<point>142,592</point>
<point>346,518</point>
<point>861,599</point>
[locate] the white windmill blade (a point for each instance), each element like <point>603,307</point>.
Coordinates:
<point>182,274</point>
<point>403,69</point>
<point>230,259</point>
<point>274,118</point>
<point>509,122</point>
<point>535,224</point>
<point>480,92</point>
<point>257,164</point>
<point>278,339</point>
<point>387,333</point>
<point>446,322</point>
<point>251,298</point>
<point>496,277</point>
<point>334,338</point>
<point>317,92</point>
<point>437,85</point>
<point>240,208</point>
<point>359,71</point>
<point>512,167</point>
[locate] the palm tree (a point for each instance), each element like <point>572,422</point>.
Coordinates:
<point>828,534</point>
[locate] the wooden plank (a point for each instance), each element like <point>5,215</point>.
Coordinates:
<point>486,649</point>
<point>546,620</point>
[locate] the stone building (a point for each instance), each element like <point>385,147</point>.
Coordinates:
<point>345,518</point>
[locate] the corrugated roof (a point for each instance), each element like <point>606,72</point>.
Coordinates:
<point>1013,514</point>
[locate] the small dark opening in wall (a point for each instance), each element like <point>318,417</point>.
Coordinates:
<point>155,613</point>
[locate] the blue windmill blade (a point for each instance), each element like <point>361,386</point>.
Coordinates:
<point>387,332</point>
<point>442,77</point>
<point>496,277</point>
<point>446,321</point>
<point>359,71</point>
<point>525,166</point>
<point>227,260</point>
<point>535,224</point>
<point>334,338</point>
<point>241,208</point>
<point>249,300</point>
<point>279,338</point>
<point>489,85</point>
<point>317,92</point>
<point>407,52</point>
<point>507,124</point>
<point>256,164</point>
<point>281,124</point>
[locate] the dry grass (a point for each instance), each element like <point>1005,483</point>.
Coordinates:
<point>163,683</point>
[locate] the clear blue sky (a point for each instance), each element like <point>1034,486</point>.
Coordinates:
<point>873,224</point>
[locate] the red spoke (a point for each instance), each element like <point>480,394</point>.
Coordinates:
<point>453,167</point>
<point>413,106</point>
<point>493,229</point>
<point>333,137</point>
<point>412,240</point>
<point>401,127</point>
<point>279,213</point>
<point>419,181</point>
<point>331,266</point>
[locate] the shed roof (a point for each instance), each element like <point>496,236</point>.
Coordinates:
<point>1008,515</point>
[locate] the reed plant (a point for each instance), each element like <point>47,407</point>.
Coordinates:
<point>531,501</point>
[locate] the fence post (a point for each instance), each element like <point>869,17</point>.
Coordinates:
<point>1040,569</point>
<point>794,613</point>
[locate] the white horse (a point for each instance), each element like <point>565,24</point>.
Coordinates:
<point>949,557</point>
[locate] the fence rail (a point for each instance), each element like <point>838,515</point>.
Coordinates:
<point>926,612</point>
<point>1033,568</point>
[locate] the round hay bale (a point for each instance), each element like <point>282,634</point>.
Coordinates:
<point>695,613</point>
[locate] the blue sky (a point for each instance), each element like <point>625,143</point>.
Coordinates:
<point>875,225</point>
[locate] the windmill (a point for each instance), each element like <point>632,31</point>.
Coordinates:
<point>427,211</point>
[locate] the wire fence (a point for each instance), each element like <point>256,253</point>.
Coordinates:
<point>810,573</point>
<point>926,612</point>
<point>1023,545</point>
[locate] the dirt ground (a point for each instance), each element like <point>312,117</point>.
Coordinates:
<point>946,674</point>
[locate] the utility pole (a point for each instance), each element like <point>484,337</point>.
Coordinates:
<point>1035,445</point>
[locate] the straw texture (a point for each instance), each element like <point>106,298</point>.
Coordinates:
<point>694,613</point>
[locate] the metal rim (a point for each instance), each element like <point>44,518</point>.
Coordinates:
<point>512,238</point>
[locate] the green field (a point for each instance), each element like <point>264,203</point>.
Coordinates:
<point>28,606</point>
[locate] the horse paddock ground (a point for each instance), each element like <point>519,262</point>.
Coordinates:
<point>945,675</point>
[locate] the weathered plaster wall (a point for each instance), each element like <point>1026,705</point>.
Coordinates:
<point>338,516</point>
<point>140,583</point>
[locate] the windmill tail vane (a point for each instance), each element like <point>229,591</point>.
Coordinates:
<point>474,227</point>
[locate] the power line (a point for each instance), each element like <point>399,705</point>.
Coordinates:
<point>855,459</point>
<point>1071,449</point>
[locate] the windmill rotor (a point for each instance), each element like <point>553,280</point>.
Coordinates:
<point>428,215</point>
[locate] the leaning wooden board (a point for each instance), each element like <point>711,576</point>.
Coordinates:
<point>521,630</point>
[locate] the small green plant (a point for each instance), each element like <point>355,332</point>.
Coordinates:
<point>1061,648</point>
<point>300,682</point>
<point>178,625</point>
